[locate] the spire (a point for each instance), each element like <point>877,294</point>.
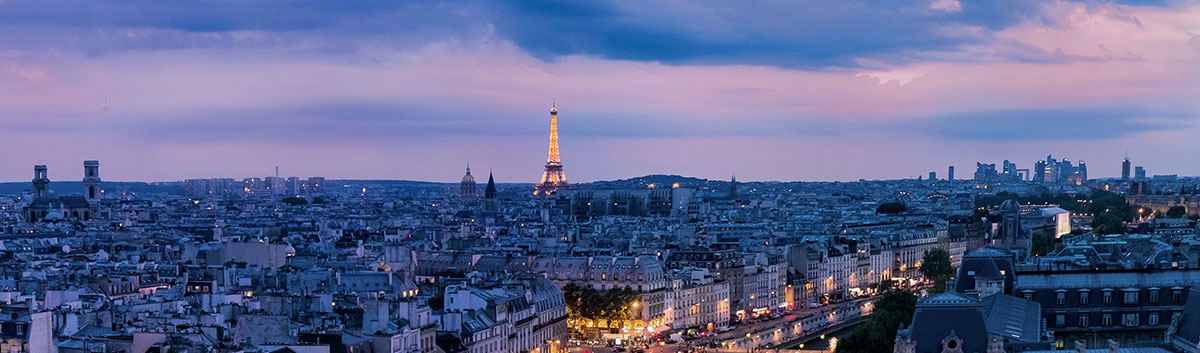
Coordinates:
<point>490,191</point>
<point>553,178</point>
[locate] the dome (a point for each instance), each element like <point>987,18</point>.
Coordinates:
<point>553,110</point>
<point>468,179</point>
<point>1009,205</point>
<point>53,215</point>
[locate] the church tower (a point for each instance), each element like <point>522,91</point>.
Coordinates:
<point>41,183</point>
<point>489,195</point>
<point>91,181</point>
<point>490,191</point>
<point>553,178</point>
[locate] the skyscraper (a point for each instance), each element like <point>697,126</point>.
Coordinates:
<point>1125,169</point>
<point>1082,170</point>
<point>950,173</point>
<point>553,178</point>
<point>1139,172</point>
<point>1039,171</point>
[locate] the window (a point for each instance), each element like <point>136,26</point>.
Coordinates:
<point>1084,297</point>
<point>1060,298</point>
<point>1131,297</point>
<point>1129,319</point>
<point>1153,296</point>
<point>1083,319</point>
<point>1153,319</point>
<point>1106,320</point>
<point>1029,296</point>
<point>1177,295</point>
<point>1107,297</point>
<point>1060,320</point>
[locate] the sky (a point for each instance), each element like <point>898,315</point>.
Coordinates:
<point>767,90</point>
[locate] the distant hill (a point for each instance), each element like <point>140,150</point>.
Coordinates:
<point>76,187</point>
<point>644,181</point>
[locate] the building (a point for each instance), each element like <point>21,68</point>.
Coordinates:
<point>1094,306</point>
<point>955,323</point>
<point>467,191</point>
<point>1010,236</point>
<point>47,208</point>
<point>1125,169</point>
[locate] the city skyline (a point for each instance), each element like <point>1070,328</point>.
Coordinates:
<point>163,92</point>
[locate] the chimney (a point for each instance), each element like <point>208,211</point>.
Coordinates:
<point>1114,347</point>
<point>1080,346</point>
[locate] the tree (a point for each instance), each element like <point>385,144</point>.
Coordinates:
<point>936,266</point>
<point>1176,212</point>
<point>1043,243</point>
<point>295,201</point>
<point>1108,223</point>
<point>891,208</point>
<point>878,333</point>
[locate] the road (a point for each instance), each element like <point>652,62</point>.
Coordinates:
<point>737,332</point>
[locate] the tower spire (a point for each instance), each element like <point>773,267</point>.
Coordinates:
<point>553,178</point>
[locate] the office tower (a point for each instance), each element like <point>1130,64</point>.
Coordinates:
<point>932,175</point>
<point>1139,172</point>
<point>1125,169</point>
<point>1082,170</point>
<point>1010,171</point>
<point>950,173</point>
<point>1039,172</point>
<point>553,178</point>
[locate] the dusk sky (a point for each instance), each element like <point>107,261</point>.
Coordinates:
<point>770,90</point>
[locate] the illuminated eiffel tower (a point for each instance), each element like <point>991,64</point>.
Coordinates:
<point>553,178</point>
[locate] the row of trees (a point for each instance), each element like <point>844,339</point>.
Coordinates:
<point>878,333</point>
<point>588,303</point>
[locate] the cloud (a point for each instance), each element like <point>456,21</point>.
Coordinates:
<point>946,5</point>
<point>1056,124</point>
<point>429,84</point>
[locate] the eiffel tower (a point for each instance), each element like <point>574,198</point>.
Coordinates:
<point>553,178</point>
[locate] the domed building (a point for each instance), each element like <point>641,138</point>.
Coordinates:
<point>1009,236</point>
<point>468,192</point>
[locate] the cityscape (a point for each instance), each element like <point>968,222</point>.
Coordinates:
<point>363,177</point>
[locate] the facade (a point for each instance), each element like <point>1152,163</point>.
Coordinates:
<point>47,208</point>
<point>1095,306</point>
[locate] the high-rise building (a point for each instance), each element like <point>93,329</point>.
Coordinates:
<point>1139,172</point>
<point>950,173</point>
<point>1125,169</point>
<point>733,194</point>
<point>1009,171</point>
<point>1082,170</point>
<point>553,178</point>
<point>985,172</point>
<point>1039,171</point>
<point>932,175</point>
